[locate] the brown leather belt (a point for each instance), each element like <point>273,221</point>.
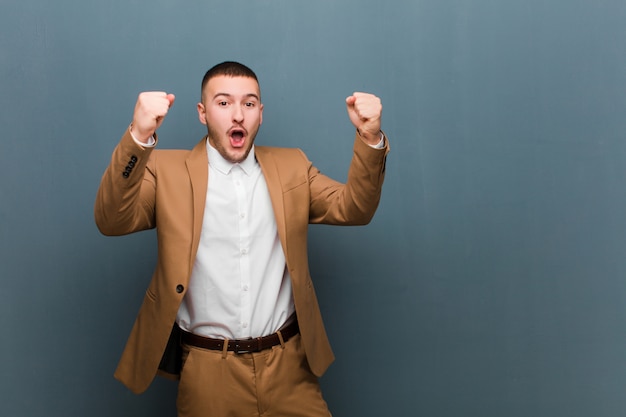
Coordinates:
<point>242,345</point>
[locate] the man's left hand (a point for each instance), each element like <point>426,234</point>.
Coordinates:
<point>365,110</point>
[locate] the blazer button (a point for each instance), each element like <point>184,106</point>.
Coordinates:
<point>180,288</point>
<point>133,158</point>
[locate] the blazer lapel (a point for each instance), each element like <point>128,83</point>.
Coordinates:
<point>198,168</point>
<point>272,178</point>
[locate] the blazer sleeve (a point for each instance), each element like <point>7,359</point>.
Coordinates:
<point>356,201</point>
<point>125,200</point>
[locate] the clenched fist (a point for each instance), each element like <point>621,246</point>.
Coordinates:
<point>150,110</point>
<point>365,110</point>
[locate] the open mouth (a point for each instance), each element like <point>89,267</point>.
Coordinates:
<point>237,137</point>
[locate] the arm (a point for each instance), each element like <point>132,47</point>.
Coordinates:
<point>355,202</point>
<point>125,199</point>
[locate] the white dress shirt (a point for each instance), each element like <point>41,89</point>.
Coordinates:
<point>239,286</point>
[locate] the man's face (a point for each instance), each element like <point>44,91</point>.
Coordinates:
<point>232,111</point>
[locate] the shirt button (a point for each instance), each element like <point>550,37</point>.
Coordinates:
<point>245,287</point>
<point>244,251</point>
<point>245,325</point>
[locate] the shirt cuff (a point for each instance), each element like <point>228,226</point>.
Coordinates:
<point>380,144</point>
<point>151,140</point>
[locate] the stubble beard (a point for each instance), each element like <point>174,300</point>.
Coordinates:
<point>227,153</point>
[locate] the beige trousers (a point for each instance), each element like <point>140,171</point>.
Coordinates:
<point>276,382</point>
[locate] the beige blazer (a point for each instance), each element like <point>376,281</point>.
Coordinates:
<point>144,188</point>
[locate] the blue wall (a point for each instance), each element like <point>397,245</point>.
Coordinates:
<point>492,281</point>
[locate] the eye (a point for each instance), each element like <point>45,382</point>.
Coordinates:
<point>222,103</point>
<point>249,104</point>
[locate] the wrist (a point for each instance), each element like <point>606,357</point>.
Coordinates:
<point>138,136</point>
<point>149,142</point>
<point>369,138</point>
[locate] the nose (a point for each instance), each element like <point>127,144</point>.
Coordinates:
<point>237,114</point>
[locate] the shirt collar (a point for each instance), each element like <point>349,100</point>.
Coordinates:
<point>218,162</point>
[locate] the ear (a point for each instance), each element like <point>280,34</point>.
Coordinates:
<point>201,113</point>
<point>261,114</point>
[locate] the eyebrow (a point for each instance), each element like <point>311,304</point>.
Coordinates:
<point>230,95</point>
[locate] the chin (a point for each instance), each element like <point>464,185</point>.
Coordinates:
<point>237,158</point>
<point>241,154</point>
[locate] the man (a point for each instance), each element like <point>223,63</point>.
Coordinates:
<point>231,309</point>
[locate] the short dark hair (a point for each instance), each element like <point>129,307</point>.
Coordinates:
<point>229,69</point>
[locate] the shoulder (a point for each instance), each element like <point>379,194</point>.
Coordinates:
<point>198,152</point>
<point>289,164</point>
<point>281,155</point>
<point>166,157</point>
<point>170,161</point>
<point>172,154</point>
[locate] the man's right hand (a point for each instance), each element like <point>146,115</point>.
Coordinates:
<point>150,110</point>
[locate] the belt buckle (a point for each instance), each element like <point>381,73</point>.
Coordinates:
<point>249,346</point>
<point>239,349</point>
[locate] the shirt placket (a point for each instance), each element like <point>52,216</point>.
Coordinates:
<point>244,251</point>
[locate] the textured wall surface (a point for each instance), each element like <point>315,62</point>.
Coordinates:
<point>492,281</point>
